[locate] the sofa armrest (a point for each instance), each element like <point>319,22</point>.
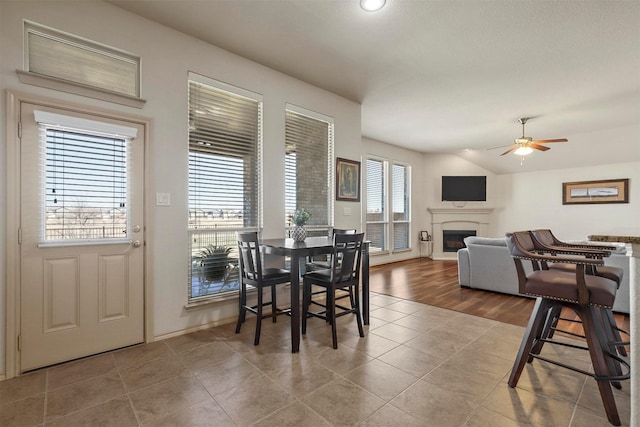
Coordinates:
<point>464,269</point>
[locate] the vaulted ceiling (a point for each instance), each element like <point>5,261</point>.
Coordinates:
<point>450,76</point>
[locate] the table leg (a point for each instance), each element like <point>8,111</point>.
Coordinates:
<point>295,303</point>
<point>365,283</point>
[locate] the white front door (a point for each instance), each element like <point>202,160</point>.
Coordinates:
<point>82,235</point>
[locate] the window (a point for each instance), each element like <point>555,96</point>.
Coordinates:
<point>388,189</point>
<point>225,135</point>
<point>309,168</point>
<point>376,219</point>
<point>400,205</point>
<point>84,179</point>
<point>69,63</point>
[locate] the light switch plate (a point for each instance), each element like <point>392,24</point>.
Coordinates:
<point>163,199</point>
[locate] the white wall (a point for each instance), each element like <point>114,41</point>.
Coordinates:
<point>167,56</point>
<point>534,200</point>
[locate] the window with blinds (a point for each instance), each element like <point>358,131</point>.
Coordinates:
<point>400,206</point>
<point>63,56</point>
<point>376,219</point>
<point>225,135</point>
<point>84,175</point>
<point>308,168</point>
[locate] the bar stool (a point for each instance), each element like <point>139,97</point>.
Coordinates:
<point>587,295</point>
<point>546,242</point>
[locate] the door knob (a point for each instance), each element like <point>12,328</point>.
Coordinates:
<point>136,243</point>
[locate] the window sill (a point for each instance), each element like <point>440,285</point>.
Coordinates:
<point>78,89</point>
<point>210,302</point>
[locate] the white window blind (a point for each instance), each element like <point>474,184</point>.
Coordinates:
<point>85,186</point>
<point>225,138</point>
<point>400,206</point>
<point>308,167</point>
<point>56,54</point>
<point>376,220</point>
<point>224,158</point>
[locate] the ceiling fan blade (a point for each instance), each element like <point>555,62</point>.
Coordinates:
<point>515,147</point>
<point>538,147</point>
<point>552,140</point>
<point>498,146</point>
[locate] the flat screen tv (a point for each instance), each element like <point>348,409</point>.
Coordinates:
<point>464,188</point>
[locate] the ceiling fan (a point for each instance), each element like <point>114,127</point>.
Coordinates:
<point>525,144</point>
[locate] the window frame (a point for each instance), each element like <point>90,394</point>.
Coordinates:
<point>203,235</point>
<point>313,229</point>
<point>388,222</point>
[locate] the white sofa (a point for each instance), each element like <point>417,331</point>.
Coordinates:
<point>487,264</point>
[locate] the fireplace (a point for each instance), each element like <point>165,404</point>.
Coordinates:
<point>453,240</point>
<point>454,219</point>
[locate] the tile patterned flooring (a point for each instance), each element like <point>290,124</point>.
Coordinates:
<point>418,365</point>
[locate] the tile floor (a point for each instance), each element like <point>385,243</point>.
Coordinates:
<point>417,366</point>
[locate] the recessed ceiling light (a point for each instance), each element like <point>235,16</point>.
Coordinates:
<point>372,5</point>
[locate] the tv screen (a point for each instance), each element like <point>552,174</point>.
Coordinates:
<point>464,188</point>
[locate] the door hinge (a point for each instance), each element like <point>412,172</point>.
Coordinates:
<point>19,342</point>
<point>19,236</point>
<point>19,129</point>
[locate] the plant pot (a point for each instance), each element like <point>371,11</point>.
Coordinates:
<point>298,233</point>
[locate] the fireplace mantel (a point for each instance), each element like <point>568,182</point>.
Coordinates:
<point>457,219</point>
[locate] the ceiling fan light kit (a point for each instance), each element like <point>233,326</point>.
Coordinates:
<point>525,145</point>
<point>372,5</point>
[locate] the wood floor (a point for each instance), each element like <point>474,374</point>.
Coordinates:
<point>436,283</point>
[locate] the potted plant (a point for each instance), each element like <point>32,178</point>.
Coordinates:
<point>214,261</point>
<point>299,219</point>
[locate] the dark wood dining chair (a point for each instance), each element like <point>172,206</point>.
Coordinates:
<point>586,295</point>
<point>343,274</point>
<point>252,274</point>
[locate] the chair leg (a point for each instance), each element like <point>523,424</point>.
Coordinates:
<point>242,313</point>
<point>531,335</point>
<point>306,297</point>
<point>353,296</point>
<point>331,305</point>
<point>596,341</point>
<point>622,351</point>
<point>609,345</point>
<point>553,317</point>
<point>274,305</point>
<point>256,341</point>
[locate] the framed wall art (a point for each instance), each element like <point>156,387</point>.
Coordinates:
<point>347,180</point>
<point>594,192</point>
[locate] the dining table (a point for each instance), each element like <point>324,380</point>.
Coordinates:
<point>312,246</point>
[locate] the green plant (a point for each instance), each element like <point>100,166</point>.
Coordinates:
<point>214,261</point>
<point>300,217</point>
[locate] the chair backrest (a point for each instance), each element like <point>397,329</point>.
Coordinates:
<point>343,231</point>
<point>249,255</point>
<point>345,258</point>
<point>522,246</point>
<point>545,237</point>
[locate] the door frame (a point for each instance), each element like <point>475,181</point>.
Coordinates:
<point>13,279</point>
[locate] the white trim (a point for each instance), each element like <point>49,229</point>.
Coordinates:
<point>199,78</point>
<point>53,119</point>
<point>309,113</point>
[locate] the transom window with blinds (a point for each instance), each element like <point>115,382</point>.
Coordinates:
<point>308,168</point>
<point>85,166</point>
<point>225,138</point>
<point>388,186</point>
